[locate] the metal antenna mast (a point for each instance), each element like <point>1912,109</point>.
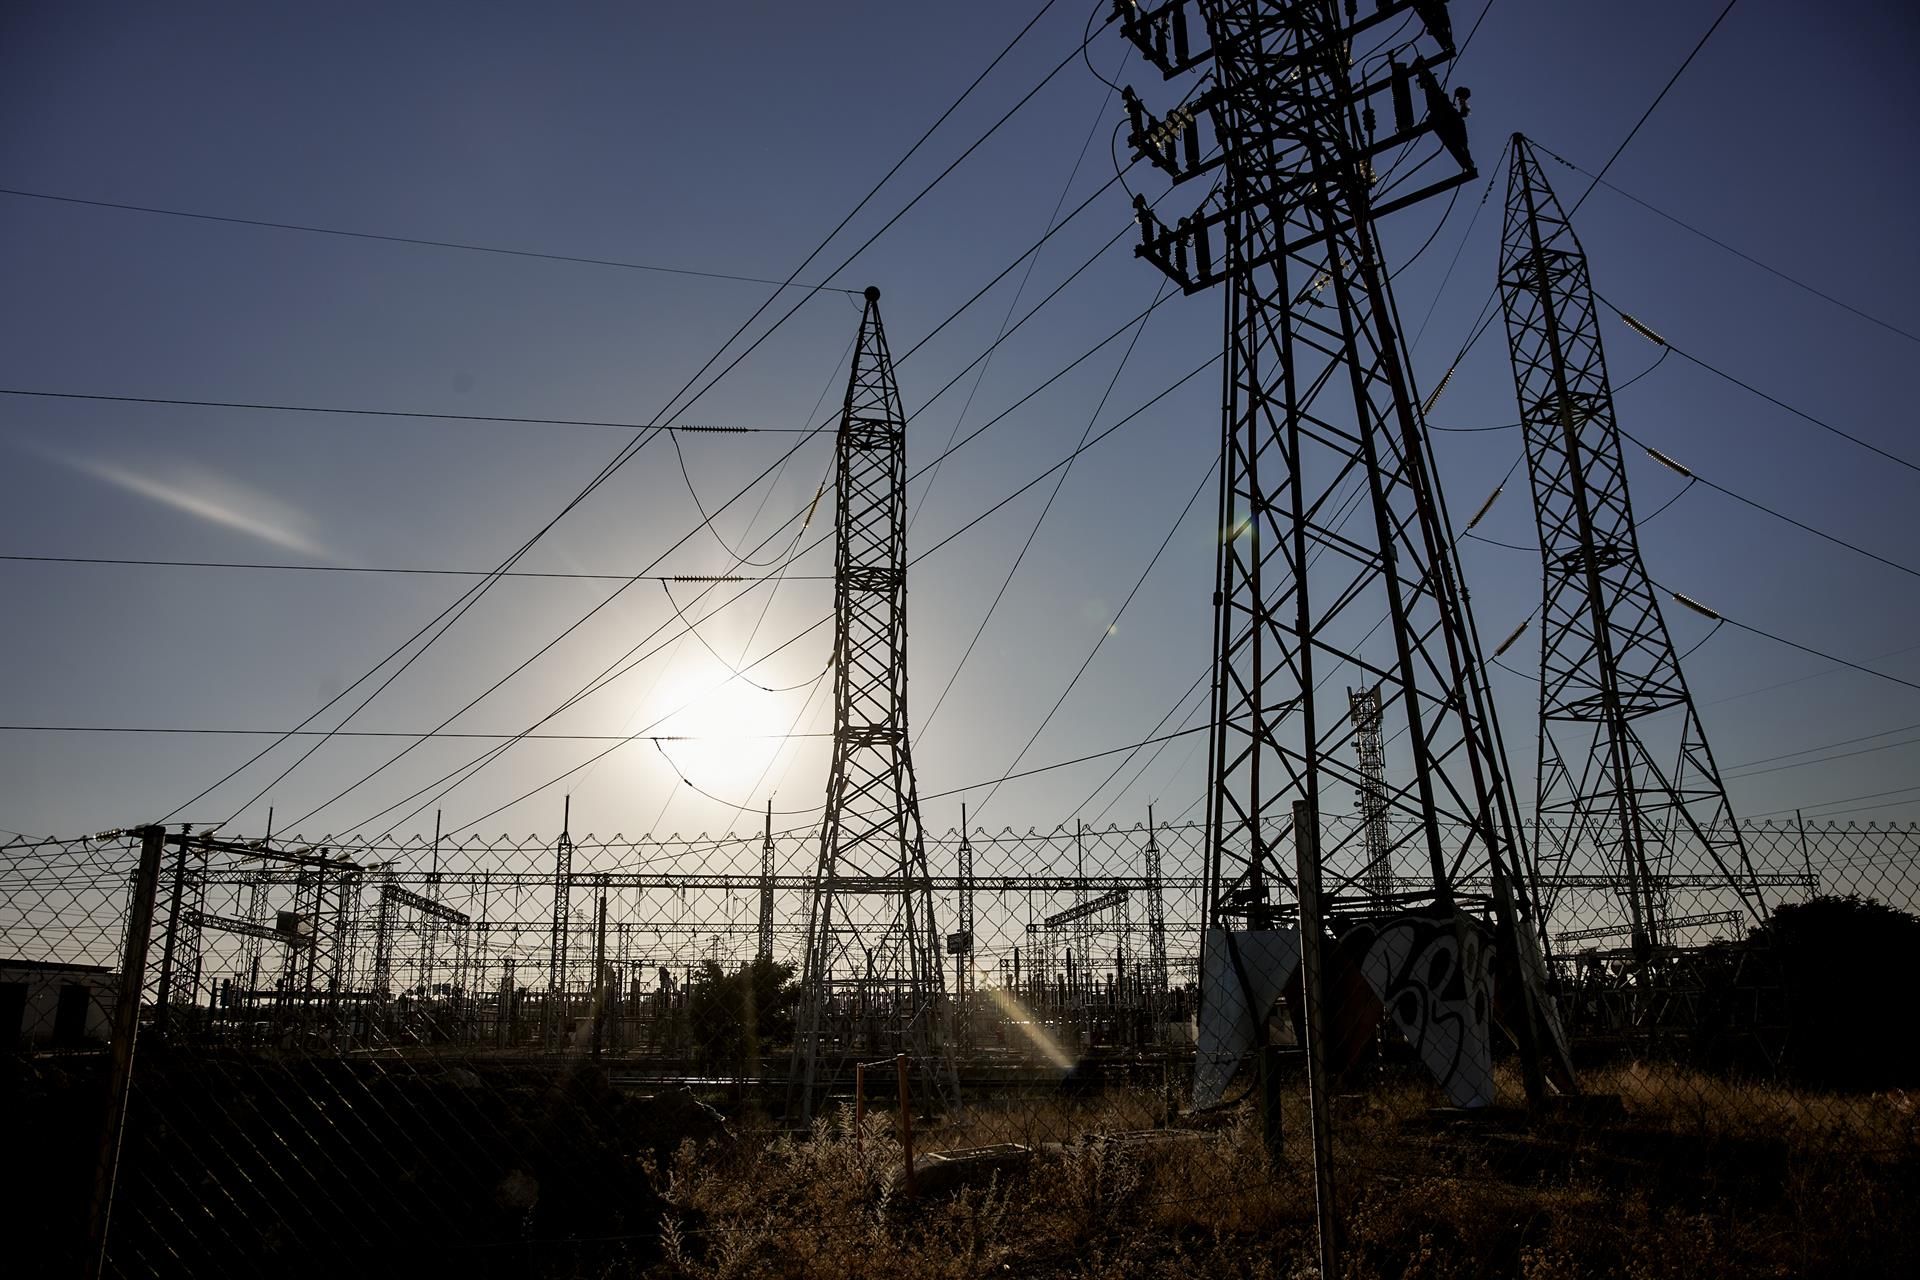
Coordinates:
<point>1321,423</point>
<point>1370,752</point>
<point>1623,788</point>
<point>871,943</point>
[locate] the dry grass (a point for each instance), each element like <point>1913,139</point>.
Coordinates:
<point>1677,1189</point>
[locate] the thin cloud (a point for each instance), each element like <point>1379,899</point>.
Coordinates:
<point>214,498</point>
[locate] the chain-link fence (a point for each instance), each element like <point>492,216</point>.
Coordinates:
<point>559,1055</point>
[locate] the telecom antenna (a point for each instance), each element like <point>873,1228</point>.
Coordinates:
<point>1376,838</point>
<point>1335,551</point>
<point>1627,784</point>
<point>873,982</point>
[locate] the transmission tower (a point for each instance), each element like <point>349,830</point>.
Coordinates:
<point>1376,838</point>
<point>1627,783</point>
<point>872,981</point>
<point>1335,551</point>
<point>1321,424</point>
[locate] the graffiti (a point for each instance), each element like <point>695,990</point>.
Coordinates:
<point>1434,973</point>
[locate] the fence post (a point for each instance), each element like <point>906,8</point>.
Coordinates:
<point>906,1121</point>
<point>859,1107</point>
<point>600,972</point>
<point>1306,847</point>
<point>1806,859</point>
<point>126,1020</point>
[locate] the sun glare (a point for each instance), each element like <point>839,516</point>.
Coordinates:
<point>721,732</point>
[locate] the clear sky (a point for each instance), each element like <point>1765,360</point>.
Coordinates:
<point>731,138</point>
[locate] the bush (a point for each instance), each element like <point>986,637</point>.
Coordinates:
<point>1841,963</point>
<point>736,1016</point>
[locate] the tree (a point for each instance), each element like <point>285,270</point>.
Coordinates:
<point>1842,963</point>
<point>737,1015</point>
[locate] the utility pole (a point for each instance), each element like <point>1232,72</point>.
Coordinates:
<point>557,944</point>
<point>600,970</point>
<point>1336,555</point>
<point>126,1023</point>
<point>1627,782</point>
<point>873,895</point>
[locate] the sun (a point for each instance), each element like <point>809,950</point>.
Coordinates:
<point>720,732</point>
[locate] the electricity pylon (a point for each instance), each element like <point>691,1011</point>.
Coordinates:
<point>1627,784</point>
<point>1335,554</point>
<point>872,981</point>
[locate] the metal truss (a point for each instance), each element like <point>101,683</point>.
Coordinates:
<point>1336,557</point>
<point>872,981</point>
<point>1627,782</point>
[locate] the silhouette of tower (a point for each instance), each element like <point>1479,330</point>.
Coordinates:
<point>1627,786</point>
<point>872,981</point>
<point>1335,554</point>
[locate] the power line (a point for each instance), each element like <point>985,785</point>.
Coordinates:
<point>1104,634</point>
<point>1823,804</point>
<point>351,411</point>
<point>1844,742</point>
<point>1039,520</point>
<point>609,673</point>
<point>480,762</point>
<point>1653,106</point>
<point>1480,325</point>
<point>1694,477</point>
<point>392,569</point>
<point>1026,277</point>
<point>1659,340</point>
<point>395,733</point>
<point>935,795</point>
<point>465,246</point>
<point>1738,253</point>
<point>1717,616</point>
<point>628,450</point>
<point>1843,755</point>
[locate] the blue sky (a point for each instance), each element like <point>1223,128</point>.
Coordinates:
<point>731,138</point>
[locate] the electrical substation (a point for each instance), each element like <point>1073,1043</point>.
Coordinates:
<point>1366,902</point>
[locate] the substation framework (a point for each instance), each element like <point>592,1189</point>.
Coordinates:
<point>1627,781</point>
<point>453,947</point>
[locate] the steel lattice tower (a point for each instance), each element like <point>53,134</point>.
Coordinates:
<point>562,919</point>
<point>872,981</point>
<point>1627,783</point>
<point>1321,424</point>
<point>1370,753</point>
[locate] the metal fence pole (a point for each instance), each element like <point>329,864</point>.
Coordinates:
<point>1306,845</point>
<point>900,1065</point>
<point>126,1020</point>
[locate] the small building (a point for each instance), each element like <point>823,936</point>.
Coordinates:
<point>45,1004</point>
